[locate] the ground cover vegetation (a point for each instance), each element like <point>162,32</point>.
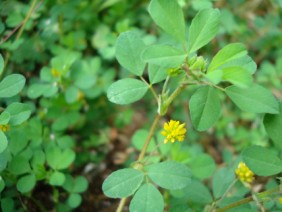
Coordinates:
<point>154,105</point>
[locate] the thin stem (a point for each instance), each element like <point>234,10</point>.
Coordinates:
<point>224,195</point>
<point>142,154</point>
<point>151,88</point>
<point>39,205</point>
<point>22,26</point>
<point>26,19</point>
<point>189,72</point>
<point>18,26</point>
<point>149,137</point>
<point>248,199</point>
<point>121,204</point>
<point>258,203</point>
<point>11,33</point>
<point>175,94</point>
<point>165,85</point>
<point>210,84</point>
<point>154,150</point>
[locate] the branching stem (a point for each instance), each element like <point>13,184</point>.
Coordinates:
<point>21,29</point>
<point>248,199</point>
<point>151,88</point>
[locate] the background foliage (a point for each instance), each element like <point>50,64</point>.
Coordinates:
<point>64,136</point>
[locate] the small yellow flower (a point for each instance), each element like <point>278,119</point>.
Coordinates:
<point>4,127</point>
<point>173,131</point>
<point>280,200</point>
<point>80,95</point>
<point>244,173</point>
<point>55,73</point>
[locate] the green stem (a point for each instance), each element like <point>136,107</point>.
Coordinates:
<point>142,154</point>
<point>149,137</point>
<point>224,195</point>
<point>39,205</point>
<point>121,204</point>
<point>26,19</point>
<point>165,85</point>
<point>153,151</point>
<point>210,84</point>
<point>8,55</point>
<point>151,88</point>
<point>189,72</point>
<point>248,199</point>
<point>175,94</point>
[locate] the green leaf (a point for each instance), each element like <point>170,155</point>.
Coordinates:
<point>122,183</point>
<point>74,200</point>
<point>164,56</point>
<point>245,62</point>
<point>197,192</point>
<point>57,179</point>
<point>202,166</point>
<point>66,158</point>
<point>19,113</point>
<point>201,4</point>
<point>3,142</point>
<point>38,159</point>
<point>2,184</point>
<point>237,76</point>
<point>203,28</point>
<point>46,75</point>
<point>64,61</point>
<point>254,99</point>
<point>126,91</point>
<point>156,73</point>
<point>221,181</point>
<point>19,165</point>
<point>75,185</point>
<point>147,199</point>
<point>170,175</point>
<point>229,53</point>
<point>7,204</point>
<point>205,108</point>
<point>18,140</point>
<point>272,124</point>
<point>26,183</point>
<point>215,76</point>
<point>71,94</point>
<point>80,184</point>
<point>4,158</point>
<point>59,159</point>
<point>129,47</point>
<point>65,120</point>
<point>1,64</point>
<point>38,89</point>
<point>5,117</point>
<point>262,161</point>
<point>169,16</point>
<point>85,80</point>
<point>2,28</point>
<point>11,85</point>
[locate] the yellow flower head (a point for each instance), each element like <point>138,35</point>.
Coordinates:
<point>4,127</point>
<point>280,200</point>
<point>244,173</point>
<point>173,131</point>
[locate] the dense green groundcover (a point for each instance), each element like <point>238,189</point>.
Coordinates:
<point>71,132</point>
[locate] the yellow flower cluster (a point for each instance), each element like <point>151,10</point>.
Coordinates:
<point>244,173</point>
<point>4,127</point>
<point>174,131</point>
